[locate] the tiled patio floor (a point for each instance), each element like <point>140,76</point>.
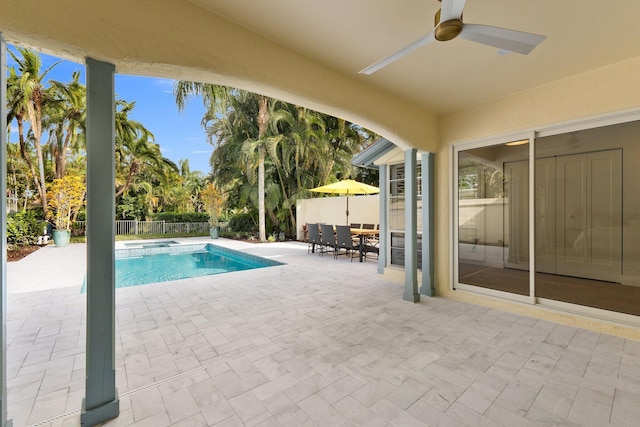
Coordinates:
<point>315,342</point>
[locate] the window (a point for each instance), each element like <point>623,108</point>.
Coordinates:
<point>397,213</point>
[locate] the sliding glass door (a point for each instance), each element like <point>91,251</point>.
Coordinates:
<point>493,217</point>
<point>586,218</point>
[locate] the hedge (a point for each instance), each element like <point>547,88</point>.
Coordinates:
<point>181,217</point>
<point>242,222</point>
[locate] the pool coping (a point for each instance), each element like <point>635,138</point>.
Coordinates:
<point>121,253</point>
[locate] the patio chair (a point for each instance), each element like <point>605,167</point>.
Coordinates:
<point>327,237</point>
<point>313,237</point>
<point>345,241</point>
<point>371,243</point>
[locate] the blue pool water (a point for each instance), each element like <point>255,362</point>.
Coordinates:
<point>162,264</point>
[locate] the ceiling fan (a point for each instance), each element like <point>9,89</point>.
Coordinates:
<point>448,25</point>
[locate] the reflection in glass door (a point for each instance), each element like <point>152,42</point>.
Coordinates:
<point>580,214</point>
<point>587,250</point>
<point>586,214</point>
<point>493,217</point>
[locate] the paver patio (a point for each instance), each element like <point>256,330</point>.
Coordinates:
<point>317,341</point>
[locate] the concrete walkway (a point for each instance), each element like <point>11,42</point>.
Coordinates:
<point>48,268</point>
<point>315,342</point>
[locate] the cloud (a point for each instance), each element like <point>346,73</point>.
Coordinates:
<point>165,84</point>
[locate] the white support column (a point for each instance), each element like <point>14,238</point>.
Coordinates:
<point>410,227</point>
<point>383,182</point>
<point>3,220</point>
<point>428,287</point>
<point>101,396</point>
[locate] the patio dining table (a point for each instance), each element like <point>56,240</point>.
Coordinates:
<point>362,233</point>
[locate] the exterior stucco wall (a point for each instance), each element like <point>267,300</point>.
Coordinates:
<point>603,91</point>
<point>331,210</point>
<point>608,89</point>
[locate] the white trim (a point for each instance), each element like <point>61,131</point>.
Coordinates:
<point>590,122</point>
<point>387,237</point>
<point>590,312</point>
<point>573,125</point>
<point>525,299</point>
<point>453,206</point>
<point>532,218</point>
<point>492,140</point>
<point>584,312</point>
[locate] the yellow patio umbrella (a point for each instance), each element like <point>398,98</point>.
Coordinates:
<point>347,186</point>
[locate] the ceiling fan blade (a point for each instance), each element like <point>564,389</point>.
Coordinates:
<point>427,38</point>
<point>451,9</point>
<point>501,38</point>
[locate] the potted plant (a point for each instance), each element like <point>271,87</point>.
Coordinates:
<point>212,202</point>
<point>66,197</point>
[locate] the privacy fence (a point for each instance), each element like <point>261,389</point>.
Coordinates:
<point>133,227</point>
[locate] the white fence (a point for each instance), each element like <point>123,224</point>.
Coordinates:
<point>133,227</point>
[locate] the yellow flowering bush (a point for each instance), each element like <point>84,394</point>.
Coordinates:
<point>212,200</point>
<point>66,197</point>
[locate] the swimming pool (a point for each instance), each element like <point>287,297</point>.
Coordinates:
<point>158,263</point>
<point>161,244</point>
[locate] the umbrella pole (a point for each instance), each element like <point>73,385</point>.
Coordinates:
<point>347,209</point>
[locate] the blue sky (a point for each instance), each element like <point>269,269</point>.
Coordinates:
<point>179,135</point>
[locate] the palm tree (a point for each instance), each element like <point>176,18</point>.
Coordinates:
<point>293,136</point>
<point>276,148</point>
<point>17,173</point>
<point>217,99</point>
<point>28,95</point>
<point>263,122</point>
<point>66,120</point>
<point>309,149</point>
<point>191,182</point>
<point>134,157</point>
<point>135,151</point>
<point>17,110</point>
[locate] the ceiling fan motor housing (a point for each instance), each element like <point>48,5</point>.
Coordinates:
<point>447,30</point>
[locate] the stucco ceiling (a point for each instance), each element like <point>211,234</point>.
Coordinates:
<point>443,77</point>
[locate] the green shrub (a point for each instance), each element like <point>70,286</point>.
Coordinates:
<point>181,217</point>
<point>242,222</point>
<point>37,211</point>
<point>23,228</point>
